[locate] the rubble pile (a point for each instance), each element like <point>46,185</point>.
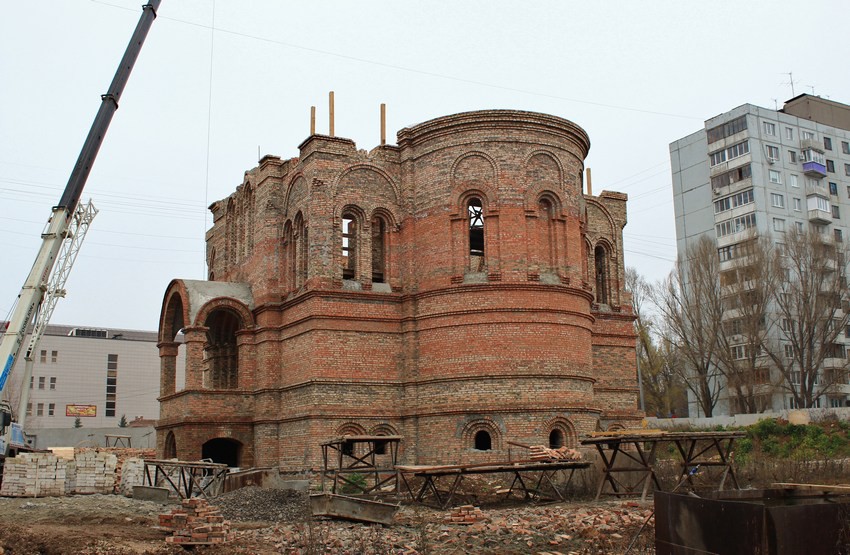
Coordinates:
<point>565,529</point>
<point>196,522</point>
<point>251,504</point>
<point>543,453</point>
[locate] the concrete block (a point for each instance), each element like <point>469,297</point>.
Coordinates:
<point>150,493</point>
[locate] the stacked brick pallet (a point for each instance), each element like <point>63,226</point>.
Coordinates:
<point>545,454</point>
<point>465,514</point>
<point>196,522</point>
<point>132,473</point>
<point>33,475</point>
<point>95,472</point>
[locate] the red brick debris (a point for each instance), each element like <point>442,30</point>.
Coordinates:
<point>542,453</point>
<point>466,514</point>
<point>196,522</point>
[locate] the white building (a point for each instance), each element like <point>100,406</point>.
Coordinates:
<point>96,374</point>
<point>753,168</point>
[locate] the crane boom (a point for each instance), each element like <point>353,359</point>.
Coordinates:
<point>34,288</point>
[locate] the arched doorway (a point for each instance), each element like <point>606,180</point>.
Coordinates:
<point>223,451</point>
<point>170,449</point>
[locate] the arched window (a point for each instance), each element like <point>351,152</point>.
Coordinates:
<point>475,211</point>
<point>556,439</point>
<point>288,256</point>
<point>301,246</point>
<point>475,217</point>
<point>482,441</point>
<point>546,233</point>
<point>349,246</point>
<point>600,256</point>
<point>379,249</point>
<point>220,350</point>
<point>211,265</point>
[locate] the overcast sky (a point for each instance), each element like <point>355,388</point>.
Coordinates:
<point>218,79</point>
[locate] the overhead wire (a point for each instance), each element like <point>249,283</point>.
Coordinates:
<point>410,69</point>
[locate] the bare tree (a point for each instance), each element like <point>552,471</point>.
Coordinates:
<point>662,386</point>
<point>690,300</point>
<point>748,284</point>
<point>811,299</point>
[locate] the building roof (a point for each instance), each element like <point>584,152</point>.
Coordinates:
<point>111,333</point>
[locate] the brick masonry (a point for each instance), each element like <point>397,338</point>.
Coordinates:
<point>405,325</point>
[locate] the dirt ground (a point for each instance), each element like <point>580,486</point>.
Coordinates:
<point>112,524</point>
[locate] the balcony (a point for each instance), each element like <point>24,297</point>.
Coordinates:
<point>814,169</point>
<point>818,216</point>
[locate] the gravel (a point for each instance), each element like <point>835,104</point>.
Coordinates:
<point>252,504</point>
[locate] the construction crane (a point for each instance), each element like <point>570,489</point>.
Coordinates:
<point>60,244</point>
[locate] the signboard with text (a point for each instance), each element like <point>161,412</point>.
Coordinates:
<point>81,410</point>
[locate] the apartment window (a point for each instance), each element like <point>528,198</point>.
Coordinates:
<point>798,204</point>
<point>54,356</point>
<point>735,225</point>
<point>32,379</point>
<point>43,358</point>
<point>740,352</point>
<point>41,381</point>
<point>833,188</point>
<point>772,152</point>
<point>827,143</point>
<point>830,166</point>
<point>811,155</point>
<point>845,147</point>
<point>732,176</point>
<point>792,157</point>
<point>730,153</point>
<point>789,350</point>
<point>818,203</point>
<point>769,128</point>
<point>785,324</point>
<point>774,176</point>
<point>739,199</point>
<point>789,133</point>
<point>39,411</point>
<point>792,180</point>
<point>777,200</point>
<point>846,169</point>
<point>839,238</point>
<point>727,129</point>
<point>51,409</point>
<point>29,409</point>
<point>779,225</point>
<point>53,382</point>
<point>799,226</point>
<point>806,135</point>
<point>835,213</point>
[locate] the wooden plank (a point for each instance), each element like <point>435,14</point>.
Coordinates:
<point>812,487</point>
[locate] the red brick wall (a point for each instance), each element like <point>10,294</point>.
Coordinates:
<point>517,345</point>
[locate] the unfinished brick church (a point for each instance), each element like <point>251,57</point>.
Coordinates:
<point>461,289</point>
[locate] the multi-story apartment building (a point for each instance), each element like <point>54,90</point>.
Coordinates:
<point>753,169</point>
<point>95,374</point>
